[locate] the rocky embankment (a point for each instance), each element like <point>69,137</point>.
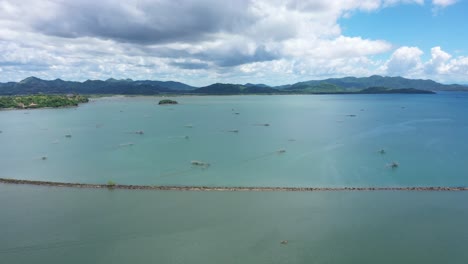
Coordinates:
<point>210,188</point>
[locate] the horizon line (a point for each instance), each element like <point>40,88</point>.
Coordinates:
<point>254,83</point>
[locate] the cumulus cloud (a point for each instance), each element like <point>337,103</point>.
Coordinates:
<point>445,67</point>
<point>406,61</point>
<point>438,62</point>
<point>199,42</point>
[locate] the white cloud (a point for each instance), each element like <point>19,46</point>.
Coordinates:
<point>459,67</point>
<point>407,62</point>
<point>443,67</point>
<point>199,42</point>
<point>438,62</point>
<point>404,61</point>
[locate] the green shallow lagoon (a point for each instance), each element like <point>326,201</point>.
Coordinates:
<point>61,225</point>
<point>325,146</point>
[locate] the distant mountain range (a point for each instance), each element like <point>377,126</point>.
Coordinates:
<point>33,85</point>
<point>353,83</point>
<point>372,84</point>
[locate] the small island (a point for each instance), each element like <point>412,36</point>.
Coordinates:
<point>167,101</point>
<point>41,101</point>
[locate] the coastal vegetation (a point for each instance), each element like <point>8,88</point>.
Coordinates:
<point>41,101</point>
<point>111,184</point>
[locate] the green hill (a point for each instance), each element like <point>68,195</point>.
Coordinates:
<point>322,87</point>
<point>384,90</point>
<point>355,84</point>
<point>229,89</point>
<point>33,85</point>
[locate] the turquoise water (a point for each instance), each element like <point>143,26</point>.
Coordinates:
<point>324,146</point>
<point>53,225</point>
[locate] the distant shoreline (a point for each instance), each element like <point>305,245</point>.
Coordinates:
<point>40,101</point>
<point>222,188</point>
<point>38,108</point>
<point>179,95</point>
<point>371,84</point>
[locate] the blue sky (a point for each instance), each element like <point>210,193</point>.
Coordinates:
<point>200,42</point>
<point>414,25</point>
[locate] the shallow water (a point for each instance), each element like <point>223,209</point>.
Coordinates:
<point>325,147</point>
<point>61,225</point>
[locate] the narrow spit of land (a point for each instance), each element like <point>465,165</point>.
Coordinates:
<point>41,101</point>
<point>221,188</point>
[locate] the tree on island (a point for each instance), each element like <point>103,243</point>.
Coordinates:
<point>167,101</point>
<point>41,100</point>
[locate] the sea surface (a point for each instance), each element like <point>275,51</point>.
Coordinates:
<point>315,140</point>
<point>59,225</point>
<point>328,141</point>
